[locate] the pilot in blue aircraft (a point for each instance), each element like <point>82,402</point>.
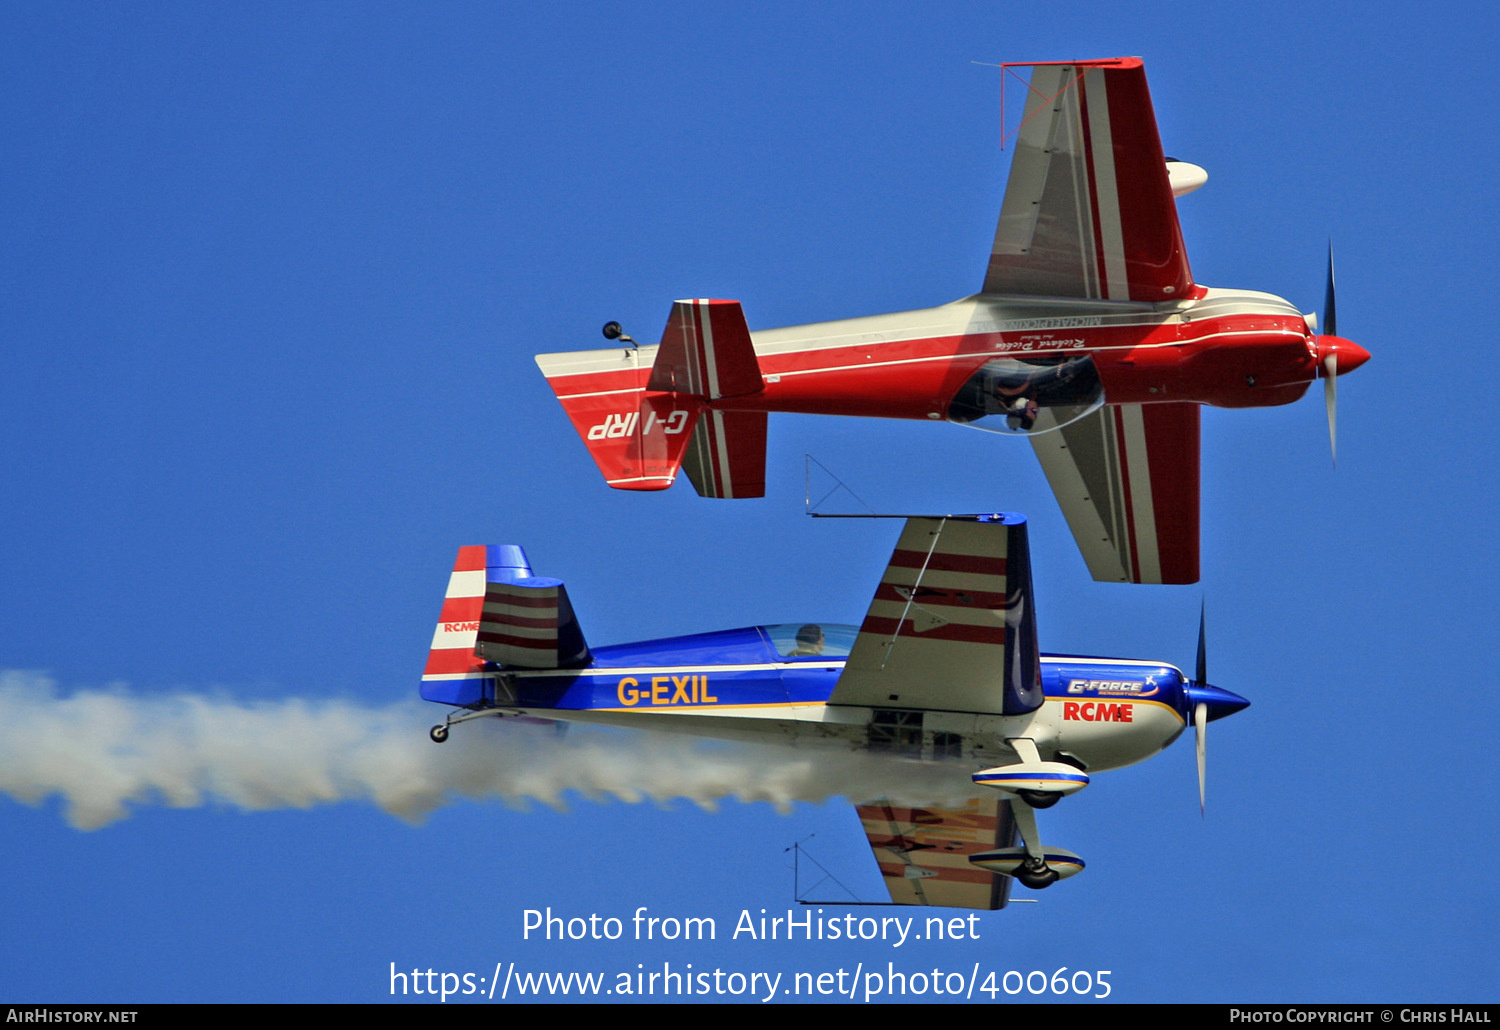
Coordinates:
<point>809,641</point>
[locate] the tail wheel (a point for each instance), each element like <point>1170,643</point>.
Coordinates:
<point>438,734</point>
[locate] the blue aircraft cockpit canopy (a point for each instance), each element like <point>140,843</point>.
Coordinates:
<point>812,639</point>
<point>746,646</point>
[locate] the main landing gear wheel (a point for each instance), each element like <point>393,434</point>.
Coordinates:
<point>438,734</point>
<point>1039,798</point>
<point>1037,875</point>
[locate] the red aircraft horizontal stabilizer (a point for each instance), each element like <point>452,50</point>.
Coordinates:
<point>638,423</point>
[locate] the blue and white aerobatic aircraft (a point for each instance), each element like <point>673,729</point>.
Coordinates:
<point>945,667</point>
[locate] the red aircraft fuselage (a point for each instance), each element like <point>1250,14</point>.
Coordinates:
<point>1227,348</point>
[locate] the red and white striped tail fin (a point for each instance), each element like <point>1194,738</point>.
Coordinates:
<point>454,674</point>
<point>497,612</point>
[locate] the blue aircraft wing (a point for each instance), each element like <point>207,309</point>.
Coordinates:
<point>951,626</point>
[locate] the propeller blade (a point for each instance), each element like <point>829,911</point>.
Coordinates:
<point>1200,725</point>
<point>1331,400</point>
<point>1331,362</point>
<point>1330,323</point>
<point>1200,710</point>
<point>1201,674</point>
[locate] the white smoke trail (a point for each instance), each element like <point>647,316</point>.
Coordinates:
<point>103,751</point>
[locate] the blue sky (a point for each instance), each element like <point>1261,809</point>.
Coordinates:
<point>273,280</point>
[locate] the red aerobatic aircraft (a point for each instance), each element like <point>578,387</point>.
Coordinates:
<point>1088,324</point>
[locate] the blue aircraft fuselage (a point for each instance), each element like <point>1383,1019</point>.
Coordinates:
<point>750,684</point>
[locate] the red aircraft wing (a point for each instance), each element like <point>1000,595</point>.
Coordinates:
<point>1126,478</point>
<point>1088,209</point>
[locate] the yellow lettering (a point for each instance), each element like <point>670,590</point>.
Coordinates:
<point>659,689</point>
<point>703,693</point>
<point>628,694</point>
<point>681,691</point>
